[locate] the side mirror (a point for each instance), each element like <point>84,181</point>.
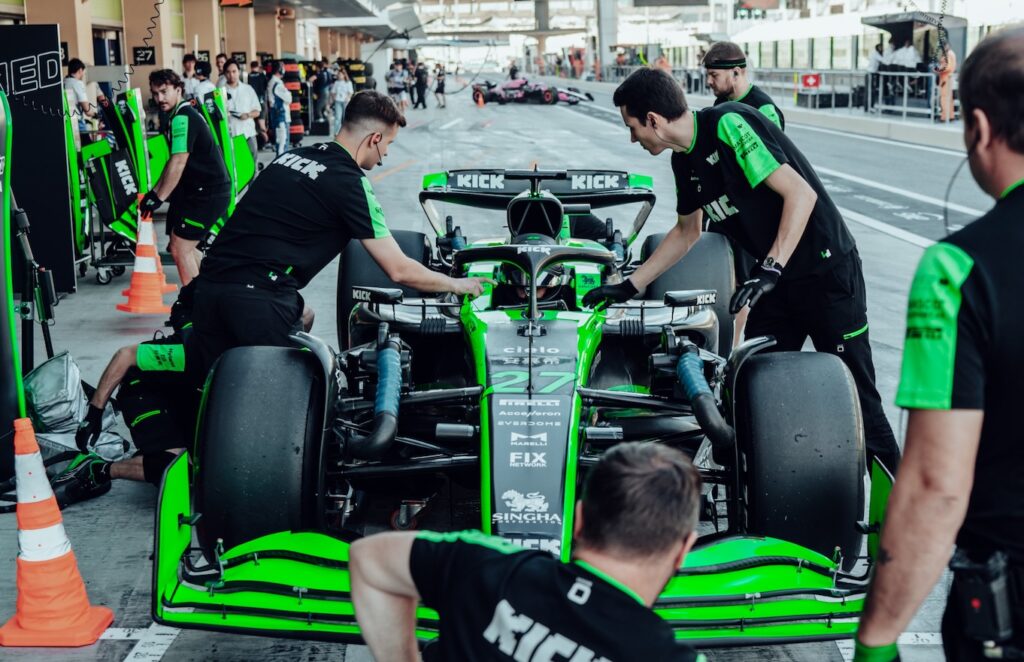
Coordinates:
<point>377,294</point>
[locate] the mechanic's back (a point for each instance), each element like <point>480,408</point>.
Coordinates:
<point>495,601</point>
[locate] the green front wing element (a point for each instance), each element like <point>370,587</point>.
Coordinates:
<point>735,591</point>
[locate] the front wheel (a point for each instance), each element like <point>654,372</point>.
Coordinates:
<point>801,443</point>
<point>478,97</point>
<point>550,96</point>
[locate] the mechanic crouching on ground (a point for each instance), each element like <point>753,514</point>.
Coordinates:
<point>633,528</point>
<point>297,216</point>
<point>962,380</point>
<point>195,179</point>
<point>756,187</point>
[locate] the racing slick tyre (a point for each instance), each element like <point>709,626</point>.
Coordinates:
<point>478,97</point>
<point>358,268</point>
<point>550,96</point>
<point>708,266</point>
<point>801,443</point>
<point>258,438</point>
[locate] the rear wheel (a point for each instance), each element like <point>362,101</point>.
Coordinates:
<point>550,96</point>
<point>801,441</point>
<point>478,97</point>
<point>259,441</point>
<point>708,266</point>
<point>358,268</point>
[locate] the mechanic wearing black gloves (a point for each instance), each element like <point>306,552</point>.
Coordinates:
<point>733,164</point>
<point>633,528</point>
<point>195,180</point>
<point>962,379</point>
<point>296,217</point>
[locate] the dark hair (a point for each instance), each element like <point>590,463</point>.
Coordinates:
<point>639,500</point>
<point>372,105</point>
<point>162,77</point>
<point>277,67</point>
<point>203,69</point>
<point>74,66</point>
<point>254,63</point>
<point>189,57</point>
<point>722,54</point>
<point>223,55</point>
<point>231,62</point>
<point>648,90</point>
<point>992,80</point>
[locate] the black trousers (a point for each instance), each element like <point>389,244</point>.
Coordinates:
<point>831,308</point>
<point>421,96</point>
<point>227,315</point>
<point>957,646</point>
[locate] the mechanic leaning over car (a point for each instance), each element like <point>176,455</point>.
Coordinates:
<point>297,216</point>
<point>195,179</point>
<point>633,527</point>
<point>726,66</point>
<point>755,186</point>
<point>962,380</point>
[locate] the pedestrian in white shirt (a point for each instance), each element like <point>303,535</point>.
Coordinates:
<point>341,92</point>
<point>204,85</point>
<point>242,104</point>
<point>280,100</point>
<point>78,101</point>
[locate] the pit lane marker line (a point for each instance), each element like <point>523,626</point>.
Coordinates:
<point>448,125</point>
<point>873,139</point>
<point>952,206</point>
<point>153,645</point>
<point>390,171</point>
<point>885,228</point>
<point>906,639</point>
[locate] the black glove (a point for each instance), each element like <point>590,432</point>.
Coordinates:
<point>150,203</point>
<point>617,293</point>
<point>762,280</point>
<point>90,428</point>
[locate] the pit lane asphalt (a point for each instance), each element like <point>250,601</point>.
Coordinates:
<point>113,536</point>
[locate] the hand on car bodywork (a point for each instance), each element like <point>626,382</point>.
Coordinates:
<point>473,286</point>
<point>617,293</point>
<point>762,280</point>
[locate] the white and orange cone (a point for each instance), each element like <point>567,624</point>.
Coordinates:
<point>145,293</point>
<point>52,607</point>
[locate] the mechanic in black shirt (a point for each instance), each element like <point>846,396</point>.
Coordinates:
<point>195,180</point>
<point>632,529</point>
<point>726,66</point>
<point>962,380</point>
<point>731,163</point>
<point>296,217</point>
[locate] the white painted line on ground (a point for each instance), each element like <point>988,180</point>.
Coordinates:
<point>448,125</point>
<point>122,634</point>
<point>898,191</point>
<point>891,230</point>
<point>845,646</point>
<point>155,641</point>
<point>873,139</point>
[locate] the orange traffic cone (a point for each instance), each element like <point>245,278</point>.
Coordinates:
<point>148,284</point>
<point>480,100</point>
<point>52,607</point>
<point>164,286</point>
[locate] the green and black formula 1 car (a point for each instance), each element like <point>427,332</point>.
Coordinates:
<point>444,413</point>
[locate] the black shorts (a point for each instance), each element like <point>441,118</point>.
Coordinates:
<point>192,215</point>
<point>229,315</point>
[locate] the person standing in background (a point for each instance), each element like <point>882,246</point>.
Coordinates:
<point>946,69</point>
<point>203,83</point>
<point>257,80</point>
<point>78,102</point>
<point>188,75</point>
<point>280,100</point>
<point>442,102</point>
<point>243,106</point>
<point>421,80</point>
<point>221,60</point>
<point>341,92</point>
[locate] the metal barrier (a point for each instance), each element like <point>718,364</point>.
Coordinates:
<point>905,93</point>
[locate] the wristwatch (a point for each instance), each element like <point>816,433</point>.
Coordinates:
<point>771,263</point>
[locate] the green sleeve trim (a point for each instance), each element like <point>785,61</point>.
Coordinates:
<point>929,352</point>
<point>755,160</point>
<point>768,110</point>
<point>162,358</point>
<point>380,228</point>
<point>144,416</point>
<point>610,580</point>
<point>853,334</point>
<point>179,134</point>
<point>197,224</point>
<point>471,538</point>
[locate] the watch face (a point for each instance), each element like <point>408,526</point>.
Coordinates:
<point>769,262</point>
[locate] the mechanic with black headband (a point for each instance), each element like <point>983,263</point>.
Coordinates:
<point>195,180</point>
<point>736,166</point>
<point>962,380</point>
<point>296,217</point>
<point>726,66</point>
<point>633,527</point>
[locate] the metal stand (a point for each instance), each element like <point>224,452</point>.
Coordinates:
<point>38,295</point>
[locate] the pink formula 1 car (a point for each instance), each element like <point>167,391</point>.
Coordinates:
<point>521,90</point>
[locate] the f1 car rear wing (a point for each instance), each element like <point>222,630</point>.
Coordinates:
<point>491,189</point>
